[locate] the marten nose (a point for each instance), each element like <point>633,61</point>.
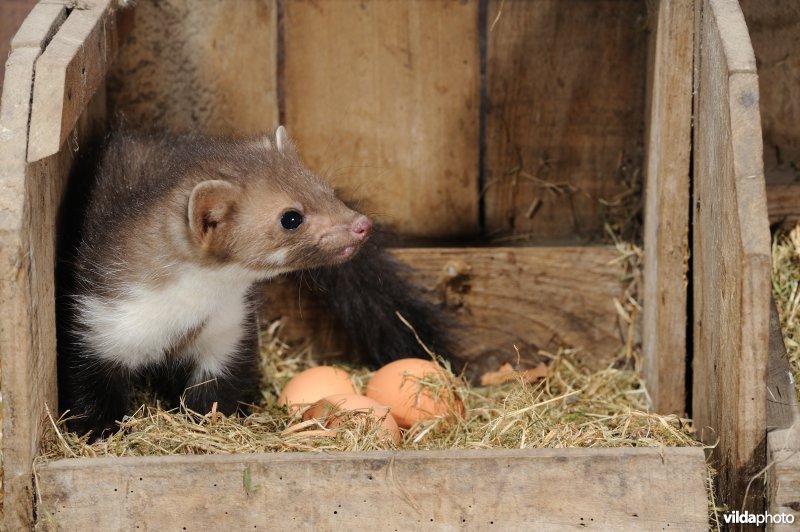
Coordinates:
<point>362,227</point>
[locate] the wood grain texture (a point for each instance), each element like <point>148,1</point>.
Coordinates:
<point>28,374</point>
<point>532,298</point>
<point>69,71</point>
<point>666,210</point>
<point>12,14</point>
<point>383,99</point>
<point>731,255</point>
<point>774,28</point>
<point>30,196</point>
<point>621,489</point>
<point>24,31</point>
<point>783,422</point>
<point>565,107</point>
<point>199,66</point>
<point>783,410</point>
<point>783,475</point>
<point>28,379</point>
<point>783,203</point>
<point>29,351</point>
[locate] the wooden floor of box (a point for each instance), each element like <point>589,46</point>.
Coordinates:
<point>500,489</point>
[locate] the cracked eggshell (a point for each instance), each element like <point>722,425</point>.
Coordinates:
<point>327,408</point>
<point>313,384</point>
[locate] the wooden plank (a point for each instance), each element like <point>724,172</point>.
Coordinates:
<point>33,28</point>
<point>69,72</point>
<point>783,422</point>
<point>30,195</point>
<point>28,297</point>
<point>565,103</point>
<point>533,298</point>
<point>783,203</point>
<point>22,402</point>
<point>774,28</point>
<point>783,410</point>
<point>199,66</point>
<point>621,489</point>
<point>731,255</point>
<point>383,99</point>
<point>783,475</point>
<point>666,209</point>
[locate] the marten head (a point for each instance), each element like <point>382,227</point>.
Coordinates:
<point>268,213</point>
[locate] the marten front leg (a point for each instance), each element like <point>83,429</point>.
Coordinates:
<point>229,377</point>
<point>96,394</point>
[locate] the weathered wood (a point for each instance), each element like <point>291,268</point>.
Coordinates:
<point>774,28</point>
<point>199,66</point>
<point>22,399</point>
<point>69,71</point>
<point>783,475</point>
<point>620,489</point>
<point>731,255</point>
<point>783,410</point>
<point>383,99</point>
<point>29,349</point>
<point>666,210</point>
<point>783,422</point>
<point>565,103</point>
<point>502,297</point>
<point>36,30</point>
<point>783,203</point>
<point>30,195</point>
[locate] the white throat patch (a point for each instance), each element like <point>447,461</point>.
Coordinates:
<point>147,323</point>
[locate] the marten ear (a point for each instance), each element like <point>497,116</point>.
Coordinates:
<point>210,205</point>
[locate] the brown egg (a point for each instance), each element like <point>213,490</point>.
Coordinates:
<point>415,390</point>
<point>313,384</point>
<point>329,406</point>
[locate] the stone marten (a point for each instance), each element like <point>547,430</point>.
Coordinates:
<point>177,230</point>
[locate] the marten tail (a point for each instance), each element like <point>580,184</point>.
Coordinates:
<point>366,295</point>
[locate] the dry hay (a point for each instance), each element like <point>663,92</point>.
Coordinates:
<point>786,289</point>
<point>571,407</point>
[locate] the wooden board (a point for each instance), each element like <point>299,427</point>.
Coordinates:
<point>30,195</point>
<point>774,28</point>
<point>666,210</point>
<point>600,489</point>
<point>565,105</point>
<point>383,99</point>
<point>200,66</point>
<point>783,475</point>
<point>783,410</point>
<point>731,255</point>
<point>70,70</point>
<point>12,13</point>
<point>22,400</point>
<point>532,298</point>
<point>783,202</point>
<point>783,422</point>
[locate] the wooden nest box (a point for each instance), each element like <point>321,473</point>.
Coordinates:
<point>500,138</point>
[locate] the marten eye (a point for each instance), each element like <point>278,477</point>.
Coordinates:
<point>291,220</point>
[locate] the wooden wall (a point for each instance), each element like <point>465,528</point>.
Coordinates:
<point>69,50</point>
<point>565,108</point>
<point>730,255</point>
<point>518,118</point>
<point>12,13</point>
<point>204,66</point>
<point>774,28</point>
